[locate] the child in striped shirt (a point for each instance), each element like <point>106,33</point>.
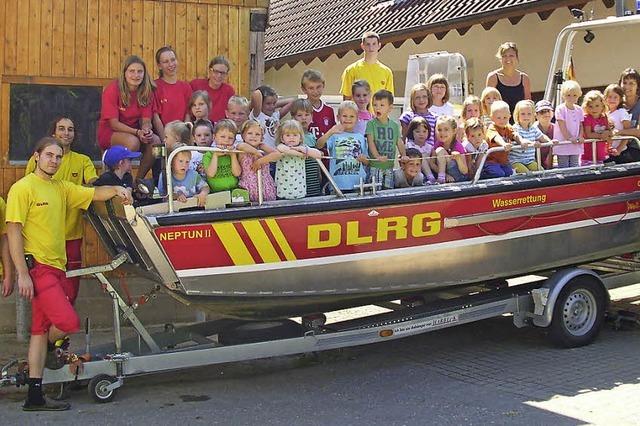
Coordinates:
<point>302,112</point>
<point>523,154</point>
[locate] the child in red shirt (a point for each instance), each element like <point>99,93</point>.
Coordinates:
<point>596,126</point>
<point>323,116</point>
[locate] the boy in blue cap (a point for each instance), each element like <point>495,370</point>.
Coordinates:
<point>118,160</point>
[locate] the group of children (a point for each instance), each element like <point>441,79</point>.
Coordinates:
<point>601,117</point>
<point>451,147</point>
<point>364,144</point>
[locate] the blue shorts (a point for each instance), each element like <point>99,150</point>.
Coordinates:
<point>495,170</point>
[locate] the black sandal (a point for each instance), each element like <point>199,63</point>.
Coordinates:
<point>47,406</point>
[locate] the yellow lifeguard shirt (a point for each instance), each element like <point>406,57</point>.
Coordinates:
<point>3,225</point>
<point>75,168</point>
<point>41,205</point>
<point>378,75</point>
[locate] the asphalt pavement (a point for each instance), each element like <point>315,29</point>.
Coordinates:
<point>482,373</point>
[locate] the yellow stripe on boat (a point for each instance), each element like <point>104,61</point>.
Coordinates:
<point>261,241</point>
<point>233,243</point>
<point>280,239</point>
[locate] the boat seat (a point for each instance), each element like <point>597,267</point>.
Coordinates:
<point>217,200</point>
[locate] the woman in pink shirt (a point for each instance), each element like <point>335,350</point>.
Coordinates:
<point>125,117</point>
<point>216,86</point>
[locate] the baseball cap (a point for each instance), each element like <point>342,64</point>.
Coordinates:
<point>117,153</point>
<point>543,105</point>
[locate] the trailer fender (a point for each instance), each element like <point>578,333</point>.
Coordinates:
<point>545,297</point>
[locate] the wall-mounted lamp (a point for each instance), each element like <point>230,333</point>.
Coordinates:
<point>589,36</point>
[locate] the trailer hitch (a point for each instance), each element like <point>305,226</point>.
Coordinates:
<point>19,378</point>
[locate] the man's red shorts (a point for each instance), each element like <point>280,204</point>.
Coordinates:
<point>74,261</point>
<point>50,304</point>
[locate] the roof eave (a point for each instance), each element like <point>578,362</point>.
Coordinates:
<point>423,31</point>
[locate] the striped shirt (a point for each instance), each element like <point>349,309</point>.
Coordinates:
<point>312,170</point>
<point>522,155</point>
<point>409,115</point>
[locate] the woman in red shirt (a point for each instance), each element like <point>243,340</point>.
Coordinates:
<point>216,86</point>
<point>125,117</point>
<point>171,97</point>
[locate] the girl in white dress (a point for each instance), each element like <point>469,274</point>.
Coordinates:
<point>291,179</point>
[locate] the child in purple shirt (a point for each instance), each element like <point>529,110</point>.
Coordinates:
<point>361,91</point>
<point>420,102</point>
<point>450,154</point>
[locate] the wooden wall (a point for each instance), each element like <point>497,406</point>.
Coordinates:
<point>83,42</point>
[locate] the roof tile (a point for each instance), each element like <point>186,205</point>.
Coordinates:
<point>302,27</point>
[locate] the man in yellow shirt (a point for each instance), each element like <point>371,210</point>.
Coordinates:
<point>36,209</point>
<point>377,74</point>
<point>75,168</point>
<point>6,269</point>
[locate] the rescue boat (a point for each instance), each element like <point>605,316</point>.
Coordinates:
<point>293,258</point>
<point>284,258</point>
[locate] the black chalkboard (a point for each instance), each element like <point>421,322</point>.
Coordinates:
<point>33,106</point>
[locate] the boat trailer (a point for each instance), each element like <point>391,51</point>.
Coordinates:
<point>569,302</point>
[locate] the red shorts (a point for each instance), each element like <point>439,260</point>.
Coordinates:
<point>50,304</point>
<point>74,261</point>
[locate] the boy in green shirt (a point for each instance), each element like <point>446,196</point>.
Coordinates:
<point>383,137</point>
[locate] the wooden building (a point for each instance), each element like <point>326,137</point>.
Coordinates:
<point>78,45</point>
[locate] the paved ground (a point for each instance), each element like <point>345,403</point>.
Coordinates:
<point>482,373</point>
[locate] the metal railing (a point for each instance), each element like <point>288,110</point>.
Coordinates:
<point>172,154</point>
<point>490,151</point>
<point>340,194</point>
<point>564,44</point>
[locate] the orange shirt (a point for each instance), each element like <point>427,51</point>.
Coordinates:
<point>507,134</point>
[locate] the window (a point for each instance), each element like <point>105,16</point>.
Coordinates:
<point>33,106</point>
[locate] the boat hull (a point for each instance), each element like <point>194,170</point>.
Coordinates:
<point>379,248</point>
<point>387,276</point>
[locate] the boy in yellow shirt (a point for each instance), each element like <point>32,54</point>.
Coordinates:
<point>75,168</point>
<point>377,74</point>
<point>37,206</point>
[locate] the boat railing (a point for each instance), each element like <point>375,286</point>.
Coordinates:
<point>490,151</point>
<point>563,47</point>
<point>173,153</point>
<point>340,194</point>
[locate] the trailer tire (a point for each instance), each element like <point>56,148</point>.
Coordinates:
<point>97,388</point>
<point>578,313</point>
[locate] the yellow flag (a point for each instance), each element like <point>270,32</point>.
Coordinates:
<point>570,72</point>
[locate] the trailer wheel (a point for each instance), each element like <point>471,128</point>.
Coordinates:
<point>578,313</point>
<point>98,388</point>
